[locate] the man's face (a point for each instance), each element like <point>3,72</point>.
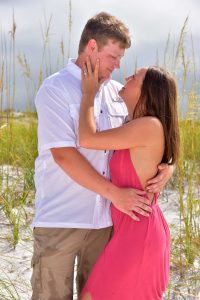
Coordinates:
<point>109,57</point>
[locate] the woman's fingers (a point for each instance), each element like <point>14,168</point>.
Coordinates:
<point>90,77</point>
<point>96,69</point>
<point>89,66</point>
<point>87,69</point>
<point>133,216</point>
<point>84,70</point>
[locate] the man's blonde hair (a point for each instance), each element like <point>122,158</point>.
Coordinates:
<point>102,27</point>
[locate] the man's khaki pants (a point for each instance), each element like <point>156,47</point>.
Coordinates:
<point>55,250</point>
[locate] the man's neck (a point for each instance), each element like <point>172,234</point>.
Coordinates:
<point>80,60</point>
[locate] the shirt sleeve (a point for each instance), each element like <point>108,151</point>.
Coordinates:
<point>55,125</point>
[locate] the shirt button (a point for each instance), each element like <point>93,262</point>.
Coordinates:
<point>101,111</point>
<point>105,151</point>
<point>103,173</point>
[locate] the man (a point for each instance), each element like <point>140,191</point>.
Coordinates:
<point>72,219</point>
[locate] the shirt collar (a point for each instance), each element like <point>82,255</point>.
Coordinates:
<point>73,68</point>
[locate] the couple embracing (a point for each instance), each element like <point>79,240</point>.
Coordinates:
<point>105,153</point>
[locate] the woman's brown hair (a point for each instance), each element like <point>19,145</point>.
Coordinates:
<point>159,99</point>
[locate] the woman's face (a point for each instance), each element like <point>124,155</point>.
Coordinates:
<point>131,91</point>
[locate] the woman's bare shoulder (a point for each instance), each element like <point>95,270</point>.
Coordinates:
<point>147,123</point>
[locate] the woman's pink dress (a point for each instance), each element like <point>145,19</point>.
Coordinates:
<point>135,263</point>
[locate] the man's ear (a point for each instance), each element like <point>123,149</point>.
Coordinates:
<point>92,46</point>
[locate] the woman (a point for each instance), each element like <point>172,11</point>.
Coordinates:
<point>135,263</point>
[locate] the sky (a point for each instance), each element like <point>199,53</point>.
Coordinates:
<point>150,23</point>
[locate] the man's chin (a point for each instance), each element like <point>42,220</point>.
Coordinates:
<point>104,78</point>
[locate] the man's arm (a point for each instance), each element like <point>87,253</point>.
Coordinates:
<point>80,170</point>
<point>158,183</point>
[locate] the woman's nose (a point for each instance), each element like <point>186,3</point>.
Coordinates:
<point>127,78</point>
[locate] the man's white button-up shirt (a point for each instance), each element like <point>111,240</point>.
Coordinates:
<point>60,201</point>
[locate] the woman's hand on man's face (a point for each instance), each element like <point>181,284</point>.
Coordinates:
<point>90,79</point>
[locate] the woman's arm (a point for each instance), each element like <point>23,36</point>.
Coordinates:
<point>139,132</point>
<point>118,138</point>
